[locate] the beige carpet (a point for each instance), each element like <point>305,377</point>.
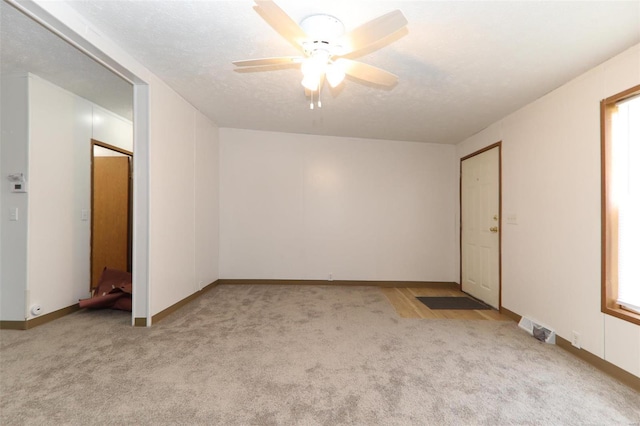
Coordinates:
<point>290,355</point>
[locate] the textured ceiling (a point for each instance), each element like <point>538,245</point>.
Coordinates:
<point>25,46</point>
<point>462,65</point>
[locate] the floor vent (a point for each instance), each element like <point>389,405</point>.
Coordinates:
<point>538,331</point>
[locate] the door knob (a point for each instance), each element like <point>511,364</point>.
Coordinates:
<point>493,229</point>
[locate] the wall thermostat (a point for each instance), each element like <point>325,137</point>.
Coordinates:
<point>18,182</point>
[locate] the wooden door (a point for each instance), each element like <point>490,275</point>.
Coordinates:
<point>110,215</point>
<point>480,233</point>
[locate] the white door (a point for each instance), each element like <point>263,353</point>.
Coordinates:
<point>480,207</point>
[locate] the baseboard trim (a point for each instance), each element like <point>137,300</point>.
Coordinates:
<point>612,370</point>
<point>139,322</point>
<point>510,314</point>
<point>34,322</point>
<point>142,322</point>
<point>387,284</point>
<point>605,366</point>
<point>13,325</point>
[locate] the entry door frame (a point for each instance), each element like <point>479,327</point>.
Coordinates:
<point>500,221</point>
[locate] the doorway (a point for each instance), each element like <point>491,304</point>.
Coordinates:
<point>61,26</point>
<point>480,230</point>
<point>111,209</point>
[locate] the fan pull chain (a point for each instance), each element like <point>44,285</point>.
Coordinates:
<point>318,102</point>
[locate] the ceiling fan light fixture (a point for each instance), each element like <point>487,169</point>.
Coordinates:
<point>311,82</point>
<point>313,68</point>
<point>323,41</point>
<point>335,73</point>
<point>316,64</point>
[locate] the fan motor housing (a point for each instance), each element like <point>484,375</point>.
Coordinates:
<point>323,30</point>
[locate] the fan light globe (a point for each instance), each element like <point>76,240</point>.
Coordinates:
<point>311,82</point>
<point>335,73</point>
<point>313,68</point>
<point>316,64</point>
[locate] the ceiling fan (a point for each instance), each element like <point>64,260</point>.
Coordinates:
<point>324,44</point>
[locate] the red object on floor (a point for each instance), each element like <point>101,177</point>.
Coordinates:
<point>113,291</point>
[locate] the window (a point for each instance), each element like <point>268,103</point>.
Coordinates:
<point>620,121</point>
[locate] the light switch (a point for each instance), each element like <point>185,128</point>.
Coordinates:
<point>512,219</point>
<point>13,213</point>
<point>84,215</point>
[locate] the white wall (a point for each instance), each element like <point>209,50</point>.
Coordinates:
<point>59,188</point>
<point>183,199</point>
<point>303,207</point>
<point>13,234</point>
<point>551,181</point>
<point>172,196</point>
<point>112,129</point>
<point>206,223</point>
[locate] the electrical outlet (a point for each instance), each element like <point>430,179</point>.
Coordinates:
<point>330,277</point>
<point>575,339</point>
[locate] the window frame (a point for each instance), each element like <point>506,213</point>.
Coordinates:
<point>609,304</point>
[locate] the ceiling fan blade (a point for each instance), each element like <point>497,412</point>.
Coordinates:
<point>263,68</point>
<point>372,31</point>
<point>282,60</point>
<point>368,73</point>
<point>281,22</point>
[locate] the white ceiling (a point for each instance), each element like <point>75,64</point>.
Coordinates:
<point>462,64</point>
<point>25,46</point>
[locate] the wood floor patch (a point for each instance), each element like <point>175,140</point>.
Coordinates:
<point>406,304</point>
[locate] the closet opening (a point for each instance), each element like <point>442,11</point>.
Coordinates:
<point>111,209</point>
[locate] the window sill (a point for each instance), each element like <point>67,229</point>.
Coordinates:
<point>623,314</point>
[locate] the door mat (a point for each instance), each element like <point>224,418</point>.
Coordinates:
<point>453,303</point>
